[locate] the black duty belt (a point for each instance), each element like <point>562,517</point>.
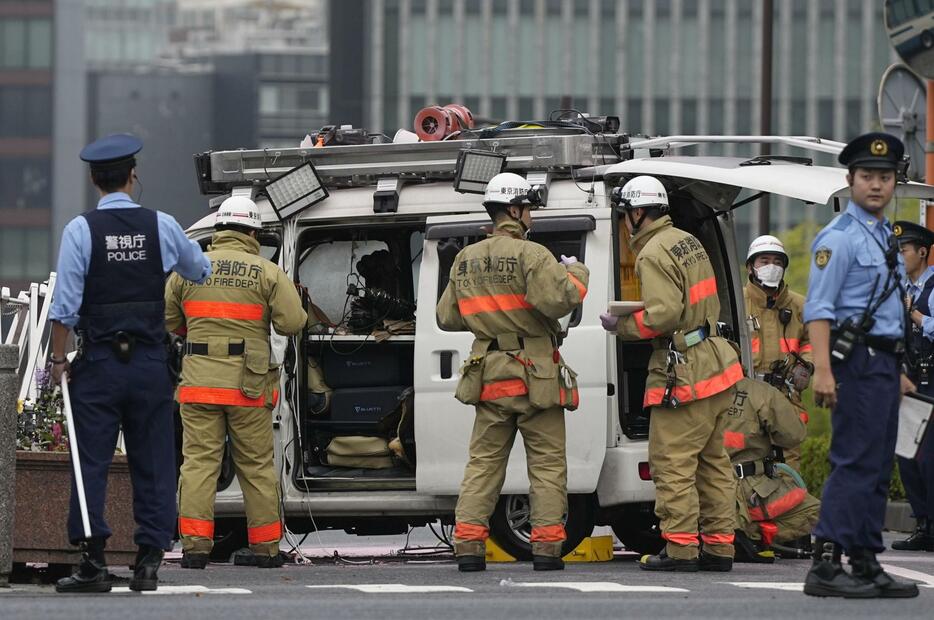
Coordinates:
<point>201,348</point>
<point>752,468</point>
<point>494,345</point>
<point>895,346</point>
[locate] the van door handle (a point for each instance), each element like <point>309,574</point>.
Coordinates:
<point>446,366</point>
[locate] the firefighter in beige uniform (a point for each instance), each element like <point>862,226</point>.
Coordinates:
<point>689,387</point>
<point>510,293</point>
<point>227,386</point>
<point>771,505</point>
<point>781,348</point>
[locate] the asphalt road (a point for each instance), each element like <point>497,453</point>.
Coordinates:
<point>359,585</point>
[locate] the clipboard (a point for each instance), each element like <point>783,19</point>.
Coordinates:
<point>914,416</point>
<point>624,308</point>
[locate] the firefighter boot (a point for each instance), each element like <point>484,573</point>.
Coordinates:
<point>194,560</point>
<point>145,572</point>
<point>828,578</point>
<point>471,556</point>
<point>664,562</point>
<point>922,539</point>
<point>547,556</point>
<point>866,567</point>
<point>751,551</point>
<point>715,563</point>
<point>92,574</point>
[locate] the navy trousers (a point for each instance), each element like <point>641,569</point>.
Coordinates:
<point>862,450</point>
<point>105,395</point>
<point>918,473</point>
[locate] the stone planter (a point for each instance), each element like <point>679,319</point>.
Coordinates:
<point>43,487</point>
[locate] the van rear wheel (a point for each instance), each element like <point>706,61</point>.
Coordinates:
<point>511,525</point>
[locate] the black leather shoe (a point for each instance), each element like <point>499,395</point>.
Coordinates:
<point>828,578</point>
<point>922,539</point>
<point>471,563</point>
<point>663,562</point>
<point>867,568</point>
<point>145,572</point>
<point>547,562</point>
<point>195,560</point>
<point>92,574</point>
<point>715,563</point>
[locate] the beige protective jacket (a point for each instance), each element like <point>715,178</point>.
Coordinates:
<point>227,319</point>
<point>680,294</point>
<point>510,291</point>
<point>773,341</point>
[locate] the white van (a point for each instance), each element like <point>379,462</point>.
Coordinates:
<point>411,226</point>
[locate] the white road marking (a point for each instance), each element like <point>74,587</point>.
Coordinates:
<point>395,588</point>
<point>186,590</point>
<point>925,579</point>
<point>767,585</point>
<point>594,586</point>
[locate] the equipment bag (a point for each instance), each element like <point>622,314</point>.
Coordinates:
<point>359,452</point>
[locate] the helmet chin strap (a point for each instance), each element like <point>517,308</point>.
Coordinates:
<point>632,221</point>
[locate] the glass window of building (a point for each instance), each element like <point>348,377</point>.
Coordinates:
<point>12,43</point>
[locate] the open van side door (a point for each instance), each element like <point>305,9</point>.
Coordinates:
<point>442,424</point>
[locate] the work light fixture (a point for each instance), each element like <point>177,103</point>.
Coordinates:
<point>475,169</point>
<point>295,190</point>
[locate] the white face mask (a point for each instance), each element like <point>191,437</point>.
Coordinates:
<point>770,275</point>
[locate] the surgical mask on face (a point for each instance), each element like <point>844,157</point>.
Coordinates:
<point>770,275</point>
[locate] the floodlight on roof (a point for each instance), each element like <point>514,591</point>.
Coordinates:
<point>295,190</point>
<point>475,169</point>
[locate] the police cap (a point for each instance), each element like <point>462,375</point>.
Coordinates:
<point>873,150</point>
<point>113,151</point>
<point>914,233</point>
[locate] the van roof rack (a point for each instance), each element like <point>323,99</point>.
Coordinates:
<point>808,143</point>
<point>558,152</point>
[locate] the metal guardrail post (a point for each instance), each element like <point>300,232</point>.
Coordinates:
<point>9,386</point>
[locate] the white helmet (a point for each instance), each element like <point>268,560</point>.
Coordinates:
<point>239,211</point>
<point>766,244</point>
<point>643,191</point>
<point>508,188</point>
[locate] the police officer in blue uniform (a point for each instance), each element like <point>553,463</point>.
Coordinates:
<point>112,267</point>
<point>918,473</point>
<point>856,319</point>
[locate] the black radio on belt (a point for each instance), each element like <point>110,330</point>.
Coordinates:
<point>848,334</point>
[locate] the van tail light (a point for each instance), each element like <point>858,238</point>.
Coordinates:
<point>644,472</point>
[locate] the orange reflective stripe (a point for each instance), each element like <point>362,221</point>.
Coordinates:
<point>702,290</point>
<point>804,416</point>
<point>218,396</point>
<point>755,345</point>
<point>736,441</point>
<point>682,538</point>
<point>270,532</point>
<point>492,303</point>
<point>275,397</point>
<point>502,389</point>
<point>789,345</point>
<point>769,530</point>
<point>195,527</point>
<point>645,332</point>
<point>718,539</point>
<point>223,310</point>
<point>580,286</point>
<point>575,396</point>
<point>780,506</point>
<point>702,389</point>
<point>548,533</point>
<point>471,531</point>
<point>806,349</point>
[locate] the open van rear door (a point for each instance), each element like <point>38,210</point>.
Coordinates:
<point>442,424</point>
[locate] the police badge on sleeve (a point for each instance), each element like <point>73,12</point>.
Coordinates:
<point>822,257</point>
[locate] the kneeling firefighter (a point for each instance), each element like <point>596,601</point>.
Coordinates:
<point>510,292</point>
<point>228,386</point>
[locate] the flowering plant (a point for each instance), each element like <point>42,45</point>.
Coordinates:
<point>41,423</point>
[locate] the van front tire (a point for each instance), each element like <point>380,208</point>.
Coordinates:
<point>510,525</point>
